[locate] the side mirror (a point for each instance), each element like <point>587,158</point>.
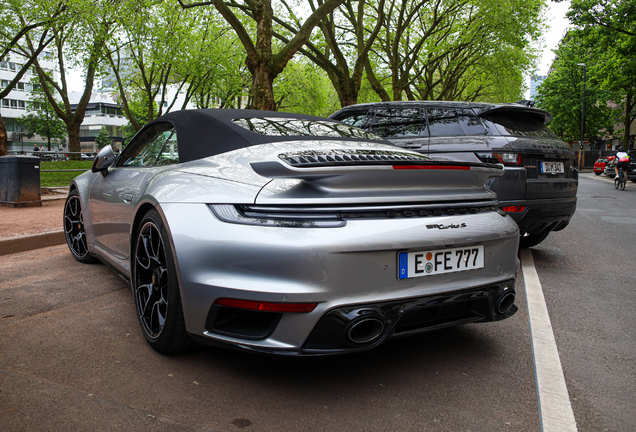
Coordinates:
<point>104,159</point>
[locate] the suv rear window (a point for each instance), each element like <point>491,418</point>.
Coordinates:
<point>517,124</point>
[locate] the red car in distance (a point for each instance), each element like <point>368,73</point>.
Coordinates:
<point>599,165</point>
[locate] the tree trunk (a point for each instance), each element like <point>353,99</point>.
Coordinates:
<point>349,98</point>
<point>375,83</point>
<point>73,129</point>
<point>347,89</point>
<point>3,138</point>
<point>627,121</point>
<point>263,89</point>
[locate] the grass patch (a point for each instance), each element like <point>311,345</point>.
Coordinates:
<point>61,179</point>
<point>60,165</point>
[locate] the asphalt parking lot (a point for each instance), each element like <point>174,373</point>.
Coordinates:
<point>73,358</point>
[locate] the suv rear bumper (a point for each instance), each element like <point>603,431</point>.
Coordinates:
<point>541,214</point>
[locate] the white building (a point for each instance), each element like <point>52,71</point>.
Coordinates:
<point>102,111</point>
<point>16,103</point>
<point>535,82</point>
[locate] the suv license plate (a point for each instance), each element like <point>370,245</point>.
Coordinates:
<point>552,168</point>
<point>432,262</point>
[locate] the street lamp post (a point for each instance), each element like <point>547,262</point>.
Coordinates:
<point>583,117</point>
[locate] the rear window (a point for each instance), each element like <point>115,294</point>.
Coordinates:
<point>518,124</point>
<point>275,126</point>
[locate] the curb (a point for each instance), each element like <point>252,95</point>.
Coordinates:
<point>26,243</point>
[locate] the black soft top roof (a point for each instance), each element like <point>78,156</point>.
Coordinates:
<point>207,132</point>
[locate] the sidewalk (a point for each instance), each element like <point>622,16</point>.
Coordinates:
<point>27,228</point>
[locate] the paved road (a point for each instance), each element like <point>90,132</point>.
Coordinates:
<point>72,356</point>
<point>588,280</point>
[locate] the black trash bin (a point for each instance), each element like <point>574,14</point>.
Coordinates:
<point>20,181</point>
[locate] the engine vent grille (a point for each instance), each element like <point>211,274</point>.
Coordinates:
<point>349,157</point>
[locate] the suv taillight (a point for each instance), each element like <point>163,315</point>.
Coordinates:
<point>504,158</point>
<point>508,158</point>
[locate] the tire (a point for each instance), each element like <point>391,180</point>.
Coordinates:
<point>623,182</point>
<point>598,173</point>
<point>616,182</point>
<point>156,288</point>
<point>530,240</point>
<point>74,229</point>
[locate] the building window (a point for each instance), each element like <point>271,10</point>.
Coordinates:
<point>21,105</point>
<point>20,87</point>
<point>4,84</point>
<point>12,66</point>
<point>14,104</point>
<point>5,103</point>
<point>4,65</point>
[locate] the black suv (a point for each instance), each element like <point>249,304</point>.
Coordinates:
<point>538,189</point>
<point>631,172</point>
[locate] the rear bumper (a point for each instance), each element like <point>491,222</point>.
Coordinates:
<point>356,264</point>
<point>552,214</point>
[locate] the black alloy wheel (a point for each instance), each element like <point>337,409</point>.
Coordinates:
<point>156,288</point>
<point>74,229</point>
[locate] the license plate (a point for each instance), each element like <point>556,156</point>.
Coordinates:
<point>432,262</point>
<point>552,168</point>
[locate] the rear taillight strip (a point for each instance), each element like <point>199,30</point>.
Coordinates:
<point>267,306</point>
<point>432,167</point>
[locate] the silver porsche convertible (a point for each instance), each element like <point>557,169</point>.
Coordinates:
<point>291,234</point>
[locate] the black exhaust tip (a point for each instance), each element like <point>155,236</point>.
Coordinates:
<point>505,302</point>
<point>365,330</point>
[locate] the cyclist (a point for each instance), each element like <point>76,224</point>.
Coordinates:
<point>622,161</point>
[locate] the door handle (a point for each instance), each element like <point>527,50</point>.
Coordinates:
<point>411,144</point>
<point>127,197</point>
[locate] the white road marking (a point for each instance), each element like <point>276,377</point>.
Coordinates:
<point>554,401</point>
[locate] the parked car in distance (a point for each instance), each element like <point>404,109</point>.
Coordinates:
<point>538,189</point>
<point>291,234</point>
<point>610,166</point>
<point>599,165</point>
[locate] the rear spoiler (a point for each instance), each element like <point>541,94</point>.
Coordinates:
<point>281,170</point>
<point>517,109</point>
